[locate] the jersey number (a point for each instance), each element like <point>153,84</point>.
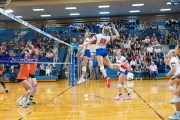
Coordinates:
<point>102,41</point>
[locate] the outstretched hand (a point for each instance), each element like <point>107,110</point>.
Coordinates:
<point>113,26</point>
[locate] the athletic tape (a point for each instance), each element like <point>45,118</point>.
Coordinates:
<point>31,26</point>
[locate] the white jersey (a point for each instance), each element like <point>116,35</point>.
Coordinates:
<point>101,40</point>
<point>121,60</point>
<point>175,62</point>
<point>85,41</point>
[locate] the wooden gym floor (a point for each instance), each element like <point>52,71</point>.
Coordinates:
<point>89,101</point>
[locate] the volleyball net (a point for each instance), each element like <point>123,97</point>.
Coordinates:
<point>55,52</point>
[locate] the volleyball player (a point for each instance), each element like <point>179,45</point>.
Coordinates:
<point>175,69</point>
<point>173,80</point>
<point>85,54</point>
<point>101,53</point>
<point>121,80</point>
<point>2,73</point>
<point>22,78</point>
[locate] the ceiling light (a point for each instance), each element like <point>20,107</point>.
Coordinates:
<point>9,11</point>
<point>74,14</point>
<point>19,16</point>
<point>134,11</point>
<point>165,9</point>
<point>104,6</point>
<point>70,8</point>
<point>103,12</point>
<point>137,4</point>
<point>38,9</point>
<point>160,15</point>
<point>169,3</point>
<point>45,15</point>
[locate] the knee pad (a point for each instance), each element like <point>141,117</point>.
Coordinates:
<point>171,88</point>
<point>119,85</point>
<point>102,68</point>
<point>176,99</point>
<point>125,86</point>
<point>35,87</point>
<point>84,69</point>
<point>31,90</point>
<point>2,83</point>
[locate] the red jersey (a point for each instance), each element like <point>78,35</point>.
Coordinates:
<point>24,72</point>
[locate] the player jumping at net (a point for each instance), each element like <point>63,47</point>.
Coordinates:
<point>2,73</point>
<point>176,79</point>
<point>34,53</point>
<point>172,61</point>
<point>22,78</point>
<point>101,53</point>
<point>85,54</point>
<point>123,73</point>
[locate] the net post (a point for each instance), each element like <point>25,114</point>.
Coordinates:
<point>73,69</point>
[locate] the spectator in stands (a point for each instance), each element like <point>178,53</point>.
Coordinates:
<point>109,46</point>
<point>145,70</point>
<point>43,50</point>
<point>129,55</point>
<point>54,69</point>
<point>138,61</point>
<point>153,70</point>
<point>133,63</point>
<point>153,39</point>
<point>56,44</point>
<point>17,48</point>
<point>29,42</point>
<point>157,50</point>
<point>3,49</point>
<point>38,43</point>
<point>49,46</point>
<point>147,41</point>
<point>161,66</point>
<point>172,43</point>
<point>42,27</point>
<point>49,56</point>
<point>55,54</point>
<point>57,34</point>
<point>127,45</point>
<point>95,69</point>
<point>150,49</point>
<point>22,44</point>
<point>13,54</point>
<point>4,43</point>
<point>167,39</point>
<point>48,70</point>
<point>42,70</point>
<point>136,71</point>
<point>6,54</point>
<point>154,58</point>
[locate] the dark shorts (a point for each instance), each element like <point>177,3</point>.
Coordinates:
<point>31,76</point>
<point>20,80</point>
<point>101,52</point>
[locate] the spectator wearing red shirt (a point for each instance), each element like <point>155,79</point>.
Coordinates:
<point>22,43</point>
<point>153,39</point>
<point>38,43</point>
<point>3,49</point>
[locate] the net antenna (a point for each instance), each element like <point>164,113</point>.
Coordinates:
<point>7,3</point>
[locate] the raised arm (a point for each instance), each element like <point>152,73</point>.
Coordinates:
<point>87,43</point>
<point>116,36</point>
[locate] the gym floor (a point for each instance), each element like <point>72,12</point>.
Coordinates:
<point>89,101</point>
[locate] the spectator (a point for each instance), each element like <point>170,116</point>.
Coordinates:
<point>55,54</point>
<point>56,44</point>
<point>38,43</point>
<point>136,71</point>
<point>133,64</point>
<point>29,42</point>
<point>150,49</point>
<point>48,70</point>
<point>172,43</point>
<point>13,54</point>
<point>127,45</point>
<point>145,70</point>
<point>95,69</point>
<point>6,54</point>
<point>22,44</point>
<point>153,39</point>
<point>4,43</point>
<point>138,61</point>
<point>161,66</point>
<point>54,69</point>
<point>153,70</point>
<point>17,48</point>
<point>167,39</point>
<point>42,70</point>
<point>49,56</point>
<point>3,49</point>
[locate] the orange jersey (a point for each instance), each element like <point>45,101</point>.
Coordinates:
<point>2,71</point>
<point>33,68</point>
<point>24,72</point>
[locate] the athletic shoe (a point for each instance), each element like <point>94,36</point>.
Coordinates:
<point>81,80</point>
<point>172,101</point>
<point>108,82</point>
<point>118,97</point>
<point>22,103</point>
<point>29,102</point>
<point>128,97</point>
<point>6,91</point>
<point>174,117</point>
<point>18,100</point>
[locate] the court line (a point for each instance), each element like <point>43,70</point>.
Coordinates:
<point>149,105</point>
